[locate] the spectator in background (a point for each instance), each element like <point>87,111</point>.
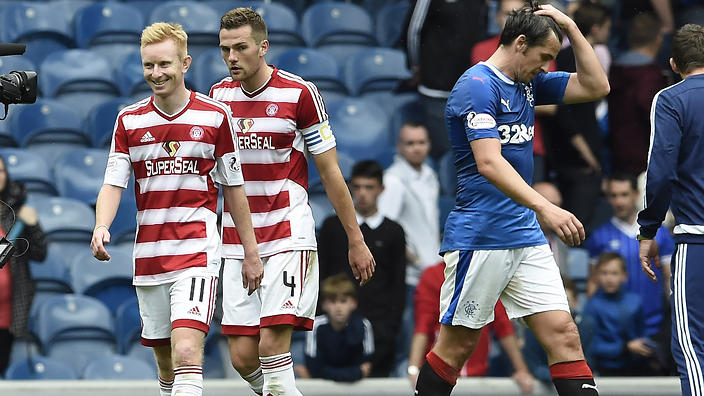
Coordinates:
<point>618,322</point>
<point>575,140</point>
<point>635,78</point>
<point>410,198</point>
<point>438,38</point>
<point>383,298</point>
<point>427,326</point>
<point>559,248</point>
<point>341,344</point>
<point>16,283</point>
<point>619,235</point>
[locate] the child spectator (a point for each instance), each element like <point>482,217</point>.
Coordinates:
<point>341,344</point>
<point>617,320</point>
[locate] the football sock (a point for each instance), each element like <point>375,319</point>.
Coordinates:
<point>278,375</point>
<point>436,378</point>
<point>573,379</point>
<point>255,380</point>
<point>165,387</point>
<point>188,381</point>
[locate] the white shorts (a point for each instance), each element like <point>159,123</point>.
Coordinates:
<point>187,302</point>
<point>287,295</point>
<point>526,279</point>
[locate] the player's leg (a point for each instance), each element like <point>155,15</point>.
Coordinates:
<point>473,282</point>
<point>192,307</point>
<point>289,293</point>
<point>687,302</point>
<point>240,322</point>
<point>155,312</point>
<point>536,294</point>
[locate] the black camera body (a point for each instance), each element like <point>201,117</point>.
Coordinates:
<point>17,86</point>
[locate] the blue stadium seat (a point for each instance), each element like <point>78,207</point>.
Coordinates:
<point>124,227</point>
<point>360,128</point>
<point>47,121</point>
<point>30,169</point>
<point>79,174</point>
<point>64,219</point>
<point>117,367</point>
<point>6,137</point>
<point>16,62</point>
<point>75,329</point>
<point>40,368</point>
<point>52,274</point>
<point>100,122</point>
<point>130,77</point>
<point>200,21</point>
<point>108,281</point>
<point>281,23</point>
<point>128,325</point>
<point>316,66</point>
<point>39,26</point>
<point>208,69</point>
<point>23,348</point>
<point>344,161</point>
<point>375,69</point>
<point>69,8</point>
<point>112,29</point>
<point>408,111</point>
<point>321,207</point>
<point>342,29</point>
<point>78,77</point>
<point>389,22</point>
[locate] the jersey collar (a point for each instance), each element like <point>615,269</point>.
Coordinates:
<point>498,73</point>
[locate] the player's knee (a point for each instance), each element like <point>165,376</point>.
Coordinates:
<point>244,364</point>
<point>187,352</point>
<point>567,334</point>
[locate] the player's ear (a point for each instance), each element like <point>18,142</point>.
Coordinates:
<point>263,47</point>
<point>520,43</point>
<point>674,67</point>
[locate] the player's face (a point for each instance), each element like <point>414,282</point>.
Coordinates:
<point>622,198</point>
<point>339,308</point>
<point>413,144</point>
<point>163,68</point>
<point>365,191</point>
<point>536,59</point>
<point>241,52</point>
<point>611,276</point>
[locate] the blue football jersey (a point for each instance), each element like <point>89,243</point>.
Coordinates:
<point>485,103</point>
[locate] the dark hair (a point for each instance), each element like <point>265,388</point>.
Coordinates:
<point>589,14</point>
<point>337,285</point>
<point>643,30</point>
<point>370,169</point>
<point>244,16</point>
<point>688,48</point>
<point>536,28</point>
<point>609,256</point>
<point>623,176</point>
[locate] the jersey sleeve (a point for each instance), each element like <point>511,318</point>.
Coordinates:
<point>479,115</point>
<point>228,169</point>
<point>665,138</point>
<point>119,166</point>
<point>312,120</point>
<point>549,88</point>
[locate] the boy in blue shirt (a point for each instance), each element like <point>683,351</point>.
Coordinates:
<point>341,344</point>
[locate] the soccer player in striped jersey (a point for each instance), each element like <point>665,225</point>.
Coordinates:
<point>280,122</point>
<point>179,144</point>
<point>675,180</point>
<point>493,246</point>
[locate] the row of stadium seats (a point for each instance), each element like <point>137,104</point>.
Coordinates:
<point>114,28</point>
<point>81,78</point>
<point>109,367</point>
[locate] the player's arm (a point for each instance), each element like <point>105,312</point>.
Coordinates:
<point>590,81</point>
<point>499,172</point>
<point>521,374</point>
<point>361,260</point>
<point>105,211</point>
<point>252,268</point>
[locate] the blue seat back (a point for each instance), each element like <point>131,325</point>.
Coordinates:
<point>79,174</point>
<point>360,128</point>
<point>64,219</point>
<point>118,367</point>
<point>76,70</point>
<point>208,69</point>
<point>281,23</point>
<point>40,368</point>
<point>47,121</point>
<point>375,69</point>
<point>108,23</point>
<point>52,274</point>
<point>315,66</point>
<point>30,169</point>
<point>100,122</point>
<point>389,23</point>
<point>199,20</point>
<point>108,281</point>
<point>39,26</point>
<point>336,23</point>
<point>128,324</point>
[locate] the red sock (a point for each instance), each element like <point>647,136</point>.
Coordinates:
<point>577,369</point>
<point>448,373</point>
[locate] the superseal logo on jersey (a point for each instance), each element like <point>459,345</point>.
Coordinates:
<point>516,133</point>
<point>245,124</point>
<point>480,121</point>
<point>252,141</point>
<point>173,165</point>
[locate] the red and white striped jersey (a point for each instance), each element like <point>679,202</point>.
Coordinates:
<point>278,127</point>
<point>176,159</point>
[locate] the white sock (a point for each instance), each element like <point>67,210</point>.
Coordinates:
<point>278,375</point>
<point>188,381</point>
<point>255,380</point>
<point>165,387</point>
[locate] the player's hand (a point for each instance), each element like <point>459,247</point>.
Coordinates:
<point>639,347</point>
<point>366,368</point>
<point>101,236</point>
<point>252,273</point>
<point>525,381</point>
<point>362,262</point>
<point>648,254</point>
<point>564,223</point>
<point>562,20</point>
